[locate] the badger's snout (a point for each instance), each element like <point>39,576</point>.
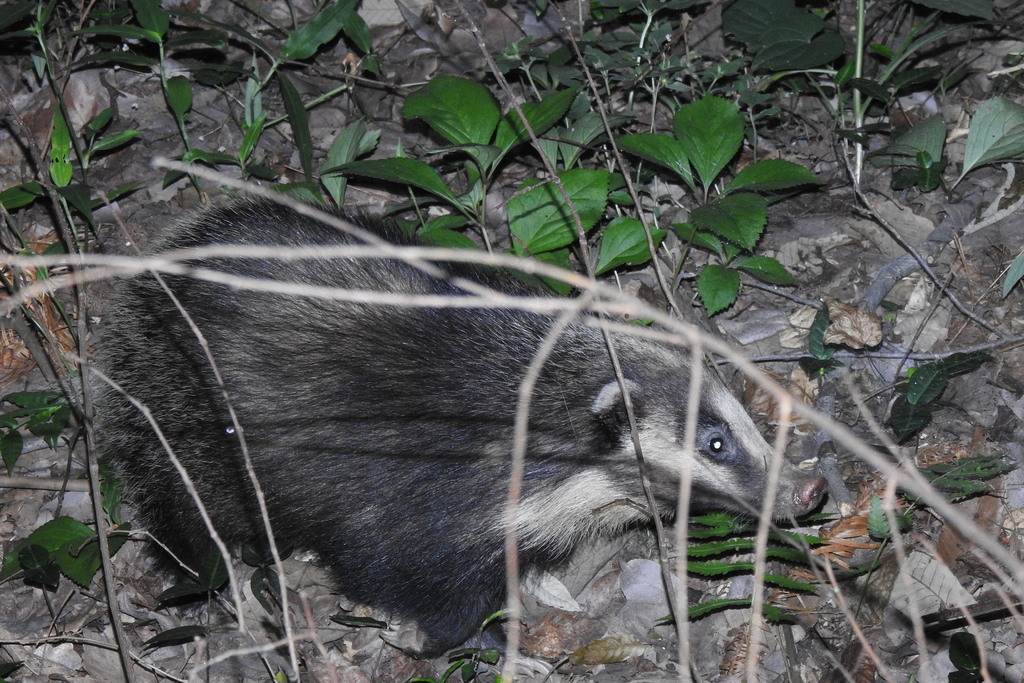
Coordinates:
<point>807,494</point>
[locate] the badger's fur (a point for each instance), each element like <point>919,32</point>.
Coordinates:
<point>382,435</point>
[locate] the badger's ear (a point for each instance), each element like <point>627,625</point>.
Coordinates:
<point>609,407</point>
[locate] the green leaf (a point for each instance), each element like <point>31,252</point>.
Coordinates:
<point>461,111</point>
<point>21,195</point>
<point>214,573</point>
<point>560,259</point>
<point>710,131</point>
<point>229,29</point>
<point>929,380</point>
<point>179,96</point>
<point>152,16</point>
<point>125,31</point>
<point>871,88</point>
<point>772,175</point>
<point>209,158</point>
<point>624,241</point>
<point>906,419</point>
<point>176,636</point>
<point>816,338</point>
<point>11,445</point>
<point>959,363</point>
<point>662,150</point>
<point>125,58</point>
<point>350,144</point>
<point>541,117</point>
<point>321,29</point>
<point>443,237</point>
<point>540,219</point>
<point>114,141</point>
<point>299,120</point>
<point>765,268</point>
<point>717,287</point>
<point>53,535</point>
<point>13,12</point>
<point>403,171</point>
<point>206,38</point>
<point>967,8</point>
<point>997,132</point>
<point>34,399</point>
<point>739,218</point>
<point>964,652</point>
<point>927,136</point>
<point>878,524</point>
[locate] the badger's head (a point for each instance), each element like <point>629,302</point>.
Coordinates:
<point>729,459</point>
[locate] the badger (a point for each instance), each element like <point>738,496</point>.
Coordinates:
<point>381,435</point>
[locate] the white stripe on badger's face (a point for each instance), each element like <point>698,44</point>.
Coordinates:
<point>586,504</point>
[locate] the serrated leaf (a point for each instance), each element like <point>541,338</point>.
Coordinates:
<point>624,241</point>
<point>461,111</point>
<point>322,28</point>
<point>997,132</point>
<point>34,399</point>
<point>710,131</point>
<point>765,268</point>
<point>878,524</point>
<point>739,218</point>
<point>403,171</point>
<point>717,287</point>
<point>662,150</point>
<point>772,175</point>
<point>540,219</point>
<point>52,535</point>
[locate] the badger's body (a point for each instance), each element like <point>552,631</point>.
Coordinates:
<point>382,435</point>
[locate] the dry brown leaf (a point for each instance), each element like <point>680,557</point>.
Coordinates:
<point>614,648</point>
<point>851,327</point>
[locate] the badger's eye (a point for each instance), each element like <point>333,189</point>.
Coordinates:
<point>716,443</point>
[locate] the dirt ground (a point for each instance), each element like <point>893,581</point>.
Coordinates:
<point>848,243</point>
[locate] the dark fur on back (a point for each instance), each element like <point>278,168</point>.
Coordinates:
<point>381,435</point>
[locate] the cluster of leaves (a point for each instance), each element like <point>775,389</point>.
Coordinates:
<point>60,546</point>
<point>211,577</point>
<point>43,413</point>
<point>912,410</point>
<point>996,134</point>
<point>724,537</point>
